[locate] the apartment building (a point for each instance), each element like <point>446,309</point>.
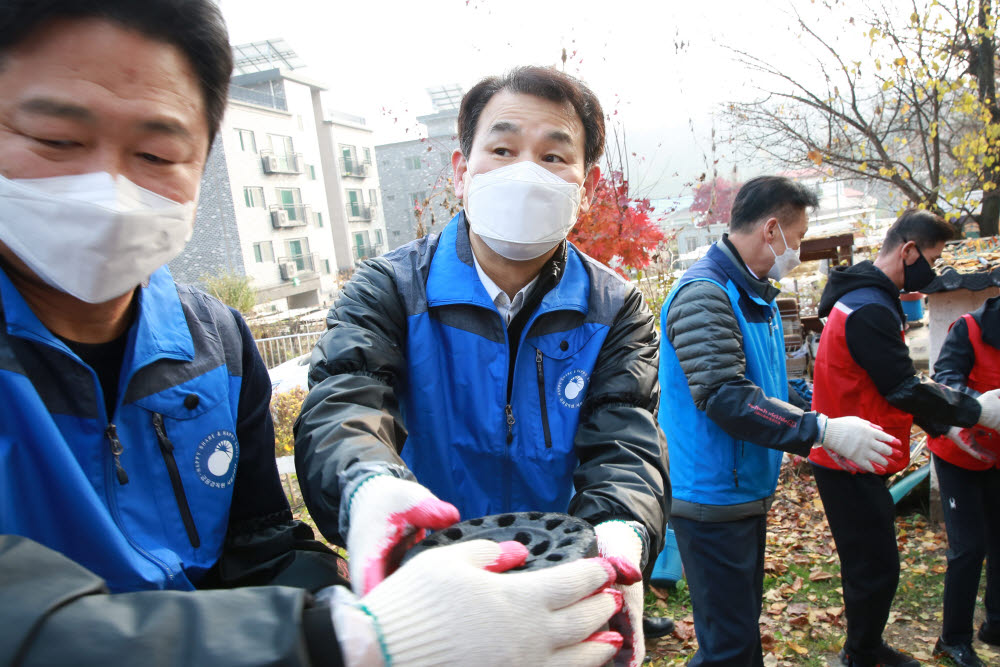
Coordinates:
<point>414,173</point>
<point>276,204</point>
<point>347,148</point>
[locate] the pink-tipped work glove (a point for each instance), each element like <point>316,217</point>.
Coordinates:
<point>857,445</point>
<point>388,515</point>
<point>620,543</point>
<point>450,606</point>
<point>965,438</point>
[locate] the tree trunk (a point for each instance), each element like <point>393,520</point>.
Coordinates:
<point>986,83</point>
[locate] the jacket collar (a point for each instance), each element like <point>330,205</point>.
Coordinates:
<point>453,278</point>
<point>160,330</point>
<point>728,257</point>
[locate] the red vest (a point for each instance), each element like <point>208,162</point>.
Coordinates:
<point>841,388</point>
<point>984,376</point>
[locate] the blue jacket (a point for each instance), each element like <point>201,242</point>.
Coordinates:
<point>715,464</point>
<point>555,412</point>
<point>185,422</point>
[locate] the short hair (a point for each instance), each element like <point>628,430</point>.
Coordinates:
<point>544,82</point>
<point>924,228</point>
<point>195,27</point>
<point>767,196</point>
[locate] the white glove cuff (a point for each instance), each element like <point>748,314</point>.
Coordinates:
<point>618,538</point>
<point>357,635</point>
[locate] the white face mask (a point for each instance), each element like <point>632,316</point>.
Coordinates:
<point>785,262</point>
<point>92,236</point>
<point>521,210</point>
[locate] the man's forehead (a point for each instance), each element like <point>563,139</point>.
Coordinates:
<point>518,113</point>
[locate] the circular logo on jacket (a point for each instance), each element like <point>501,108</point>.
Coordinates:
<point>571,387</point>
<point>216,457</point>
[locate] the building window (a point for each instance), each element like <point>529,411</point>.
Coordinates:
<point>395,233</point>
<point>692,245</point>
<point>281,145</point>
<point>378,236</point>
<point>290,199</point>
<point>326,266</point>
<point>368,156</point>
<point>319,219</point>
<point>373,197</point>
<point>390,197</point>
<point>312,172</point>
<point>355,204</point>
<point>263,252</point>
<point>413,162</point>
<point>247,142</point>
<point>253,196</point>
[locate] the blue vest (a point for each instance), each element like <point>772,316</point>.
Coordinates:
<point>58,481</point>
<point>707,465</point>
<point>467,442</point>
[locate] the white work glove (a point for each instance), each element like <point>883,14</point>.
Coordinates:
<point>617,541</point>
<point>450,606</point>
<point>389,515</point>
<point>966,441</point>
<point>990,403</point>
<point>856,444</point>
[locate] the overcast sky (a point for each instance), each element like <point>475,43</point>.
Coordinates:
<point>660,68</point>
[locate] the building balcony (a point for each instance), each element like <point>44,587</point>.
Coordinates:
<point>297,266</point>
<point>281,163</point>
<point>284,216</point>
<point>360,212</point>
<point>354,167</point>
<point>365,251</point>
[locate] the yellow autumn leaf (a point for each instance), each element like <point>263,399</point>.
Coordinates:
<point>815,156</point>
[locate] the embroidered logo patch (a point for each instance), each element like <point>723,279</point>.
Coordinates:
<point>216,458</point>
<point>571,388</point>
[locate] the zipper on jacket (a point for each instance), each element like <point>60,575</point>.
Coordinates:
<point>541,397</point>
<point>111,433</point>
<point>167,449</point>
<point>736,477</point>
<point>510,423</point>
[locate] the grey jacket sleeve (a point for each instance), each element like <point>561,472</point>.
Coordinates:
<point>704,331</point>
<point>623,453</point>
<point>350,425</point>
<point>55,612</point>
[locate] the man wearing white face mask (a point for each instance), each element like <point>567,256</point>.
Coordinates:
<point>493,368</point>
<point>726,413</point>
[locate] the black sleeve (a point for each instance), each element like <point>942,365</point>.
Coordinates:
<point>351,425</point>
<point>706,336</point>
<point>873,340</point>
<point>956,359</point>
<point>264,544</point>
<point>56,612</point>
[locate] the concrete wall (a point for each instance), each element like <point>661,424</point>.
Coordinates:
<point>214,247</point>
<point>399,182</point>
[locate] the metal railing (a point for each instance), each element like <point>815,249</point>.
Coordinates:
<point>360,211</point>
<point>281,163</point>
<point>280,349</point>
<point>290,215</point>
<point>305,265</point>
<point>365,251</point>
<point>259,97</point>
<point>354,167</point>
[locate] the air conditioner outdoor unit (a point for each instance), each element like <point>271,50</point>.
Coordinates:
<point>288,270</point>
<point>279,218</point>
<point>270,164</point>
